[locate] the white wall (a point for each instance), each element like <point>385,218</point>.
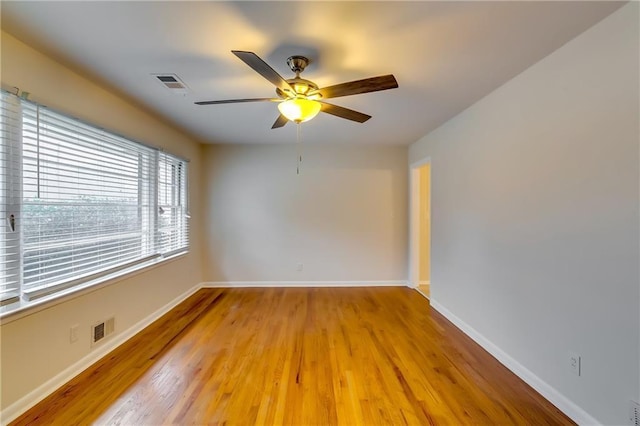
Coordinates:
<point>344,217</point>
<point>35,348</point>
<point>535,216</point>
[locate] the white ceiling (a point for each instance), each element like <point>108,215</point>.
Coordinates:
<point>445,56</point>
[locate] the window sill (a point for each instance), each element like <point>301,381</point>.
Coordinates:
<point>22,308</point>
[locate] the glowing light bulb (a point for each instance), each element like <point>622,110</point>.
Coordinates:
<point>299,109</point>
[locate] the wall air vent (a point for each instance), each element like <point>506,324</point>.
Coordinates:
<point>172,82</point>
<point>101,330</point>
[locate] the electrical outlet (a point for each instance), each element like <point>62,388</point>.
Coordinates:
<point>299,267</point>
<point>634,413</point>
<point>73,333</point>
<point>574,363</point>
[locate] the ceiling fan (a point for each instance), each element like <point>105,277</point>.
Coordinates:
<point>300,100</point>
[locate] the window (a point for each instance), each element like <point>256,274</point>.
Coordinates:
<point>172,204</point>
<point>10,194</point>
<point>90,202</point>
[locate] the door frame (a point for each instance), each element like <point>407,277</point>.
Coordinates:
<point>414,220</point>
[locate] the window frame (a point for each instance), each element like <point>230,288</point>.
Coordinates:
<point>95,276</point>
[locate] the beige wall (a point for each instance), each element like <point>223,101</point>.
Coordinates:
<point>535,205</point>
<point>344,217</point>
<point>425,222</point>
<point>35,348</point>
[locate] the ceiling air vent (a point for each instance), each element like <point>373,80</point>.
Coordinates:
<point>172,82</point>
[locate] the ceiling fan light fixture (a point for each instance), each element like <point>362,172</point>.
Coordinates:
<point>299,109</point>
<point>299,99</point>
<point>301,88</point>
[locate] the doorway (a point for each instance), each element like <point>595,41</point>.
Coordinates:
<point>420,227</point>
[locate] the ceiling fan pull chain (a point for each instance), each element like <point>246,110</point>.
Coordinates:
<point>300,141</point>
<point>298,156</point>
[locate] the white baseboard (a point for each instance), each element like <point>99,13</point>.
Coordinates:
<point>424,282</point>
<point>38,394</point>
<point>563,403</point>
<point>225,284</point>
<point>423,295</point>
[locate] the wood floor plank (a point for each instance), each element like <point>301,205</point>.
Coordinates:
<point>311,356</point>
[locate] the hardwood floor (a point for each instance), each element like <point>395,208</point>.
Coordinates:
<point>300,357</point>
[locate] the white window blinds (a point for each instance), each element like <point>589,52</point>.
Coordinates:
<point>10,196</point>
<point>78,202</point>
<point>173,232</point>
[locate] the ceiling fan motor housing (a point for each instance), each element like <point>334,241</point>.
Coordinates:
<point>301,87</point>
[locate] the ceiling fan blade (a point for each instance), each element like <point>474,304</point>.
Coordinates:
<point>236,101</point>
<point>343,112</point>
<point>262,68</point>
<point>367,85</point>
<point>280,122</point>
